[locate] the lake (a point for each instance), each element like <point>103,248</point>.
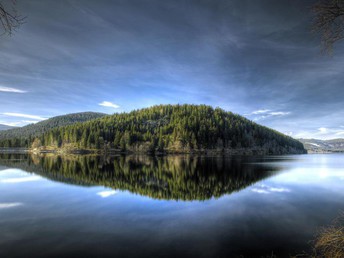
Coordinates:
<point>174,206</point>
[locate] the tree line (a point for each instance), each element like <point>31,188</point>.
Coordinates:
<point>161,128</point>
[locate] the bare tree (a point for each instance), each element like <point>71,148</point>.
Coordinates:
<point>9,17</point>
<point>329,22</point>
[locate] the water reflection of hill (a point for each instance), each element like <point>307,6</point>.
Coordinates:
<point>171,177</point>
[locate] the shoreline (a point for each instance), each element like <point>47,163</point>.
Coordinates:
<point>226,152</point>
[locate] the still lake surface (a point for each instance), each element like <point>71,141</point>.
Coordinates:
<point>175,206</point>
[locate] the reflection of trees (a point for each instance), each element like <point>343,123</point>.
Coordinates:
<point>171,177</point>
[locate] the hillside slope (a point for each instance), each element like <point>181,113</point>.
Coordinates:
<point>5,127</point>
<point>323,146</point>
<point>33,130</point>
<point>170,128</point>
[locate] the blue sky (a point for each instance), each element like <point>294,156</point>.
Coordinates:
<point>254,58</point>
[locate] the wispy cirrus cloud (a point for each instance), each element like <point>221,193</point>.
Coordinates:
<point>266,113</point>
<point>109,104</point>
<point>279,113</point>
<point>23,115</point>
<point>13,90</point>
<point>10,205</point>
<point>260,111</point>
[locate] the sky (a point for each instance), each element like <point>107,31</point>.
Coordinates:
<point>256,58</point>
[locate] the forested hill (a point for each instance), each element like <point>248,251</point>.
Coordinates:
<point>35,130</point>
<point>167,128</point>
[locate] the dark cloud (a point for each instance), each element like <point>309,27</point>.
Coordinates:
<point>240,55</point>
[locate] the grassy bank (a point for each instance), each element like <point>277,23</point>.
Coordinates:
<point>330,240</point>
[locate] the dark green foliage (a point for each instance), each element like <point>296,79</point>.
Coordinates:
<point>168,128</point>
<point>24,136</point>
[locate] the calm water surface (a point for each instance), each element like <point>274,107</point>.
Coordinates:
<point>178,206</point>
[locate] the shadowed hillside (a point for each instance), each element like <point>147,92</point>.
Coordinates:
<point>22,135</point>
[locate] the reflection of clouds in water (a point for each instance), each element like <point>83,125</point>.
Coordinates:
<point>310,176</point>
<point>12,171</point>
<point>261,191</point>
<point>325,172</point>
<point>16,176</point>
<point>265,189</point>
<point>105,194</point>
<point>20,179</point>
<point>10,205</point>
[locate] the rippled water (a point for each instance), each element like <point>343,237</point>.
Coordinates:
<point>175,206</point>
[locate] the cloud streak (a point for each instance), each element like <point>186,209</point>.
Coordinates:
<point>109,104</point>
<point>24,115</point>
<point>266,113</point>
<point>13,90</point>
<point>260,111</point>
<point>279,113</point>
<point>10,205</point>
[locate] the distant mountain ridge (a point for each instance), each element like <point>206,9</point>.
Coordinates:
<point>6,127</point>
<point>163,129</point>
<point>323,146</point>
<point>35,130</point>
